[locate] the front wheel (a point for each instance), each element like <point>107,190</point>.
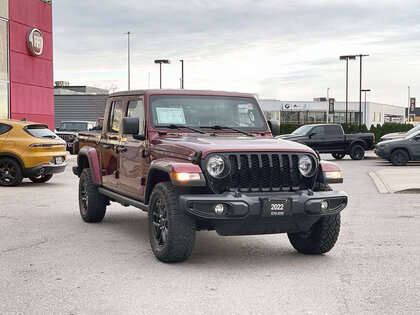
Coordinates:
<point>40,178</point>
<point>357,152</point>
<point>10,172</point>
<point>338,156</point>
<point>171,232</point>
<point>399,157</point>
<point>321,237</point>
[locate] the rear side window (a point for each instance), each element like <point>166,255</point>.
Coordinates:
<point>4,128</point>
<point>40,131</point>
<point>333,130</point>
<point>115,117</point>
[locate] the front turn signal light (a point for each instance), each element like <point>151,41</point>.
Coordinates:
<point>184,177</point>
<point>333,175</point>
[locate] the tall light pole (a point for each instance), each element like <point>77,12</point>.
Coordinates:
<point>182,74</point>
<point>347,58</point>
<point>365,90</point>
<point>408,108</point>
<point>160,61</point>
<point>328,94</point>
<point>360,94</point>
<point>129,63</point>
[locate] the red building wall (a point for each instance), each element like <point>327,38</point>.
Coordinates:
<point>31,77</point>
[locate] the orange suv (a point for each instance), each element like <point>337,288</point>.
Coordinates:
<point>29,150</point>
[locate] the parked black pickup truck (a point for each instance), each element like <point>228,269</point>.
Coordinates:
<point>330,138</point>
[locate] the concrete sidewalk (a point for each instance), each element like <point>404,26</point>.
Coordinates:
<point>397,180</point>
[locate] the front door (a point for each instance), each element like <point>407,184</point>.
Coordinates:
<point>132,157</point>
<point>415,146</point>
<point>316,141</point>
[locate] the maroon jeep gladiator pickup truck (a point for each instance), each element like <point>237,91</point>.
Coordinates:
<point>203,160</point>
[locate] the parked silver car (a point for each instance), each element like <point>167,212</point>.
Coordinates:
<point>400,135</point>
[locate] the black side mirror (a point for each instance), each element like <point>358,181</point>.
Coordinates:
<point>274,127</point>
<point>58,129</point>
<point>312,134</point>
<point>131,126</point>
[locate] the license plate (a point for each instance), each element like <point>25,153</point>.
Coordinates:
<point>276,207</point>
<point>59,160</point>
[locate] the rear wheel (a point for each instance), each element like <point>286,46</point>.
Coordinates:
<point>171,232</point>
<point>338,156</point>
<point>357,152</point>
<point>41,178</point>
<point>10,172</point>
<point>399,157</point>
<point>321,237</point>
<point>92,204</point>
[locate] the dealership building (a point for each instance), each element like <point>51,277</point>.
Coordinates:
<point>26,60</point>
<point>309,112</point>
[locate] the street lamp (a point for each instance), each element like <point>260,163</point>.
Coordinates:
<point>360,94</point>
<point>347,58</point>
<point>408,108</point>
<point>182,74</point>
<point>160,61</point>
<point>129,64</point>
<point>366,90</point>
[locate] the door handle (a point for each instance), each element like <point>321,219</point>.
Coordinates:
<point>121,149</point>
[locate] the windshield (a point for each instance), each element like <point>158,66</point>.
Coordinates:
<point>206,111</point>
<point>73,126</point>
<point>302,130</point>
<point>414,134</point>
<point>413,130</point>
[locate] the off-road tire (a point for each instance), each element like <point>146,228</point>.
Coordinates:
<point>321,237</point>
<point>179,228</point>
<point>92,204</point>
<point>357,152</point>
<point>338,156</point>
<point>10,172</point>
<point>399,157</point>
<point>40,179</point>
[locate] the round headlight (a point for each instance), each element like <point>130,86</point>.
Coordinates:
<point>216,166</point>
<point>305,165</point>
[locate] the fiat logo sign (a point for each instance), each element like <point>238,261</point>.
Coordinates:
<point>35,42</point>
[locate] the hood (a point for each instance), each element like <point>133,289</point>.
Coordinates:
<point>292,137</point>
<point>391,141</point>
<point>396,135</point>
<point>187,144</point>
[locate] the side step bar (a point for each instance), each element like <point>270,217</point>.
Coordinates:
<point>122,199</point>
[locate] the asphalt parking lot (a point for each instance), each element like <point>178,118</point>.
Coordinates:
<point>53,262</point>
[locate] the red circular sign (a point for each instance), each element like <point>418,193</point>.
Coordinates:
<point>35,42</point>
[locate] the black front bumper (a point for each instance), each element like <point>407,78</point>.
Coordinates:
<point>42,169</point>
<point>244,215</point>
<point>385,154</point>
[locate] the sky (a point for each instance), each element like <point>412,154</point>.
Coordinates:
<point>286,50</point>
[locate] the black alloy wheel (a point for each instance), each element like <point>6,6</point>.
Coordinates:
<point>160,222</point>
<point>40,178</point>
<point>92,204</point>
<point>399,157</point>
<point>357,152</point>
<point>10,172</point>
<point>338,156</point>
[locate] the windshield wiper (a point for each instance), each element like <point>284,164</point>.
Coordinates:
<point>174,126</point>
<point>219,127</point>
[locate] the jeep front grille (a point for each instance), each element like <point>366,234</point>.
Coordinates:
<point>270,171</point>
<point>67,137</point>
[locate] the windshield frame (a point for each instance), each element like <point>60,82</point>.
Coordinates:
<point>74,129</point>
<point>413,135</point>
<point>413,130</point>
<point>247,99</point>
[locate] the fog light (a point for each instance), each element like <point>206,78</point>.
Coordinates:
<point>324,205</point>
<point>219,209</point>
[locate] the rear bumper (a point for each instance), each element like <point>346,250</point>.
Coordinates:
<point>244,214</point>
<point>44,169</point>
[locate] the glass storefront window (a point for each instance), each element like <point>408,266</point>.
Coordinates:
<point>4,9</point>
